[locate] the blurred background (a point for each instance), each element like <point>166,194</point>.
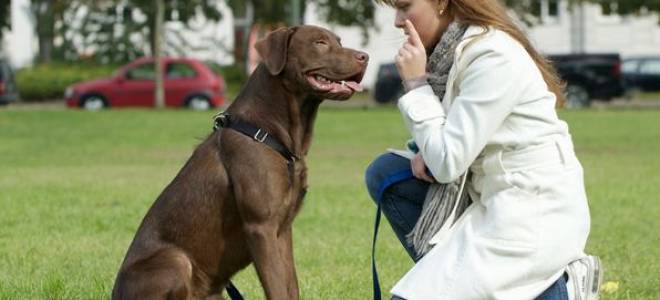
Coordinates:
<point>605,50</point>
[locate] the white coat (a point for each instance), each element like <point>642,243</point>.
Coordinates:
<point>530,216</point>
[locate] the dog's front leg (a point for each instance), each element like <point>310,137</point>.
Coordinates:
<point>286,248</point>
<point>272,264</point>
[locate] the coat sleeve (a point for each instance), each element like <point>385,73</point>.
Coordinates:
<point>488,88</point>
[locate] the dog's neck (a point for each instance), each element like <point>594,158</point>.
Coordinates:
<point>268,103</point>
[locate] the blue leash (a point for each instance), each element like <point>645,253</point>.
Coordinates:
<point>390,180</point>
<point>374,272</point>
<point>233,292</point>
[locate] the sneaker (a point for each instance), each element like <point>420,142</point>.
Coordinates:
<point>584,278</point>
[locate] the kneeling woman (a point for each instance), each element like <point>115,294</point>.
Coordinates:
<point>480,105</point>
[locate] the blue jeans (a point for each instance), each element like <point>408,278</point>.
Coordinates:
<point>401,196</point>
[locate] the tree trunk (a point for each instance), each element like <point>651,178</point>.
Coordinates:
<point>158,43</point>
<point>45,27</point>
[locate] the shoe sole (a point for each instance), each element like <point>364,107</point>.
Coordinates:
<point>596,280</point>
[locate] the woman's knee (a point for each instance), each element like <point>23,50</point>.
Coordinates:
<point>376,173</point>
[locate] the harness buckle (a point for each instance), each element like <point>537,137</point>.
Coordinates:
<point>262,138</point>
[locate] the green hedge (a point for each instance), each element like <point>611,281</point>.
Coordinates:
<point>48,81</point>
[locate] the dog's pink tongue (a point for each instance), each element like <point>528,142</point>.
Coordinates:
<point>354,86</point>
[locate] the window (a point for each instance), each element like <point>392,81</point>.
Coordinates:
<point>547,10</point>
<point>142,72</point>
<point>650,67</point>
<point>180,70</point>
<point>630,66</point>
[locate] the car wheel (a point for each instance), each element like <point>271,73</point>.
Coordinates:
<point>93,103</point>
<point>576,96</point>
<point>632,93</point>
<point>199,103</point>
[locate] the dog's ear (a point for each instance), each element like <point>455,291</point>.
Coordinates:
<point>273,49</point>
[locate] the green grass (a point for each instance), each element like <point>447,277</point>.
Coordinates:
<point>75,185</point>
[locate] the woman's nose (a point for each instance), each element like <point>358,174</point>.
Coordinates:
<point>399,20</point>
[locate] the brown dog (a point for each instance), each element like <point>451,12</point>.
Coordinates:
<point>234,201</point>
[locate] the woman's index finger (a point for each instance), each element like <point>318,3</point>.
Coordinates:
<point>413,35</point>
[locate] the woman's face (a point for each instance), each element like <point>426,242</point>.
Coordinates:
<point>425,17</point>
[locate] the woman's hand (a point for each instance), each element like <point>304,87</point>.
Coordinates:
<point>419,168</point>
<point>411,59</point>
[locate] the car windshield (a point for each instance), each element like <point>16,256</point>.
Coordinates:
<point>141,72</point>
<point>180,70</point>
<point>630,66</point>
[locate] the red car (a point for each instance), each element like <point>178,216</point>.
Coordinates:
<point>188,83</point>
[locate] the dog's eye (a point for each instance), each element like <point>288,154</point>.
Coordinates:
<point>321,43</point>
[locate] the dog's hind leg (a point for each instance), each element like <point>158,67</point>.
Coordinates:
<point>166,274</point>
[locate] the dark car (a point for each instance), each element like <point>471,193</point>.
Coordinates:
<point>8,89</point>
<point>187,83</point>
<point>589,76</point>
<point>388,84</point>
<point>642,74</point>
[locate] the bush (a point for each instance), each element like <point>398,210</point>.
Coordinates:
<point>48,81</point>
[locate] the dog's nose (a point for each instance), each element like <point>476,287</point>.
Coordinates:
<point>361,56</point>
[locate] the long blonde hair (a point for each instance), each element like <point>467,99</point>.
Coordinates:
<point>491,13</point>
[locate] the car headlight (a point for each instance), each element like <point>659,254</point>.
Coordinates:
<point>68,93</point>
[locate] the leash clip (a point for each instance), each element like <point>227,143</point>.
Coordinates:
<point>260,139</point>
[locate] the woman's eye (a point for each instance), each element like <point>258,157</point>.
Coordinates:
<point>403,7</point>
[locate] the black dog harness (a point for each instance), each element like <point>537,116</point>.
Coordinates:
<point>225,120</point>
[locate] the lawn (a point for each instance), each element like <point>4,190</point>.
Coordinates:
<point>74,187</point>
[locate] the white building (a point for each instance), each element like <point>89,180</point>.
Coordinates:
<point>19,45</point>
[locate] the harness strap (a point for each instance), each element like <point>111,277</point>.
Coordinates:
<point>225,120</point>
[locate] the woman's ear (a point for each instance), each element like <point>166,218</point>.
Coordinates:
<point>273,49</point>
<point>442,6</point>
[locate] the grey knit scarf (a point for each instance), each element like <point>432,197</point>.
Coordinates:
<point>441,199</point>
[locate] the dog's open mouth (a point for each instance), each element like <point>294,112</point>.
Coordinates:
<point>347,85</point>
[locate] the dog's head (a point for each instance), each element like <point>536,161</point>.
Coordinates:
<point>313,59</point>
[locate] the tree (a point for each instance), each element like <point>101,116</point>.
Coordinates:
<point>47,13</point>
<point>5,16</point>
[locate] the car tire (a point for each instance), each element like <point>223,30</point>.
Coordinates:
<point>93,102</point>
<point>576,97</point>
<point>198,102</point>
<point>632,93</point>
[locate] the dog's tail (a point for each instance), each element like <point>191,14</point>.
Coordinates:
<point>166,274</point>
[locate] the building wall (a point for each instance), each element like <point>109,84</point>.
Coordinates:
<point>629,36</point>
<point>19,45</point>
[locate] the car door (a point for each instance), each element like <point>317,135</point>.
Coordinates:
<point>649,72</point>
<point>180,82</point>
<point>138,86</point>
